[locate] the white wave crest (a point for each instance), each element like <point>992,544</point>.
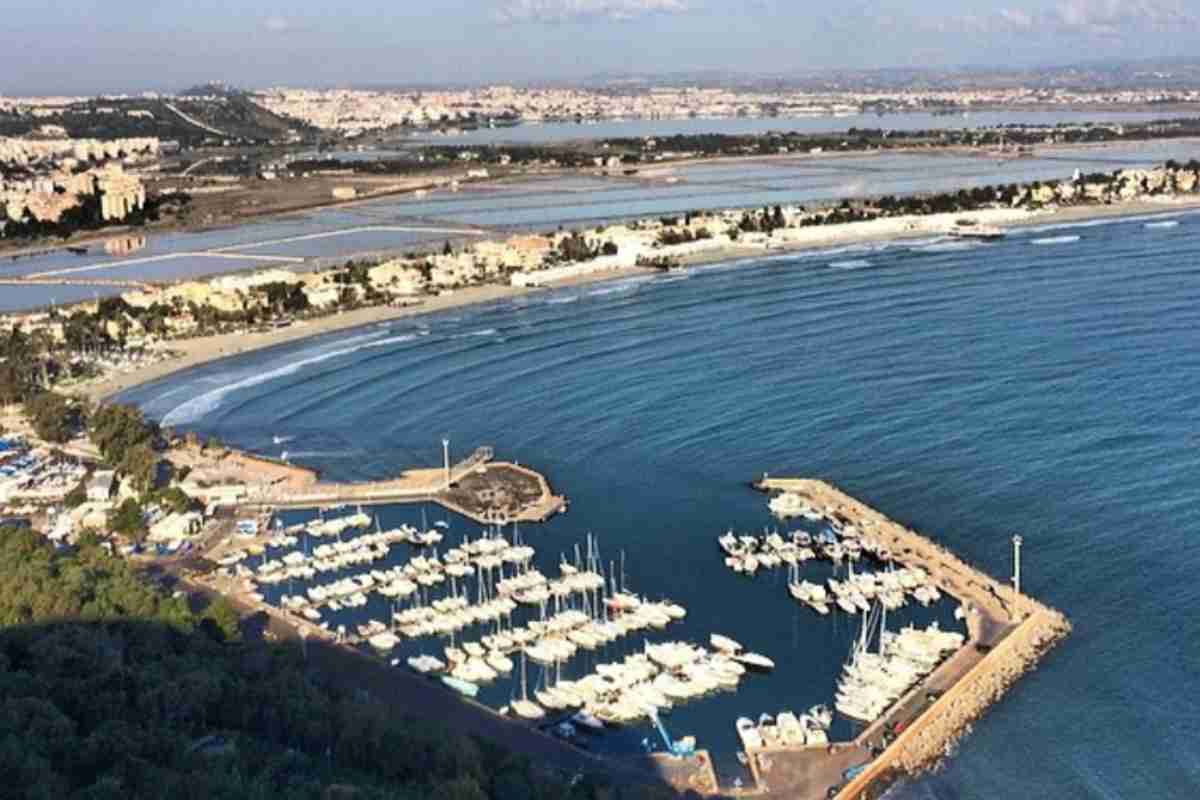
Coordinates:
<point>484,332</point>
<point>616,288</point>
<point>1166,223</point>
<point>1055,240</point>
<point>407,337</point>
<point>853,263</point>
<point>946,247</point>
<point>210,401</point>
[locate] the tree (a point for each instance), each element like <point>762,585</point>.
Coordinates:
<point>117,428</point>
<point>447,250</point>
<point>53,417</point>
<point>140,465</point>
<point>127,520</point>
<point>224,618</point>
<point>175,499</point>
<point>76,497</point>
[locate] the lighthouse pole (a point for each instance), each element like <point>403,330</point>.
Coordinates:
<point>446,460</point>
<point>1016,540</point>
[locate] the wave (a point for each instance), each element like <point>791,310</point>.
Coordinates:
<point>210,401</point>
<point>853,263</point>
<point>946,247</point>
<point>484,332</point>
<point>322,454</point>
<point>407,337</point>
<point>1166,223</point>
<point>1094,223</point>
<point>281,439</point>
<point>1055,240</point>
<point>616,288</point>
<point>558,301</point>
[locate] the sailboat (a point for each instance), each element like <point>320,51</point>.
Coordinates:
<point>524,707</point>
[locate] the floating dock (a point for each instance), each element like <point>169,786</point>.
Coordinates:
<point>1008,633</point>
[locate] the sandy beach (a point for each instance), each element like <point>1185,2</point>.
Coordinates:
<point>197,351</point>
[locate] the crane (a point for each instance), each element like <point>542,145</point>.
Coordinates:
<point>680,749</point>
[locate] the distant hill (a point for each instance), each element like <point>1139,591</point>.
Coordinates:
<point>211,89</point>
<point>190,119</point>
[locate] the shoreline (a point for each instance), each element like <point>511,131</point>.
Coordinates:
<point>650,172</point>
<point>200,351</point>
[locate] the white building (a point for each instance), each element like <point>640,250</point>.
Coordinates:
<point>99,488</point>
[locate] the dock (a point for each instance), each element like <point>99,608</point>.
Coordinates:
<point>1008,633</point>
<point>477,487</point>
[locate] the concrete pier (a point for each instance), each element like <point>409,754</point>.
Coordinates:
<point>1008,632</point>
<point>483,490</point>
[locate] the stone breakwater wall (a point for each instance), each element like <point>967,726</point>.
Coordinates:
<point>927,740</point>
<point>943,724</point>
<point>924,743</point>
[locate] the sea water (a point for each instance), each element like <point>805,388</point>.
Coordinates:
<point>971,391</point>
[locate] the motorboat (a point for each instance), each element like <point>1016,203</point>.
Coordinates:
<point>465,688</point>
<point>724,643</point>
<point>754,661</point>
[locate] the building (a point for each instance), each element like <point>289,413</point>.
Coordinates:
<point>99,488</point>
<point>174,527</point>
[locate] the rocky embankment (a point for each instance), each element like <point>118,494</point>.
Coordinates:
<point>941,726</point>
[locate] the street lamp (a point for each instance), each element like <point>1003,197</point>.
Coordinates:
<point>1017,541</point>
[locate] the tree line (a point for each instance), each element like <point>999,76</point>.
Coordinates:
<point>111,688</point>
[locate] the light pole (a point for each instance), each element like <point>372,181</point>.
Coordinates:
<point>1016,540</point>
<point>446,460</point>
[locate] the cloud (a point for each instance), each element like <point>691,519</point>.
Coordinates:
<point>1117,17</point>
<point>1016,17</point>
<point>558,11</point>
<point>1089,18</point>
<point>277,24</point>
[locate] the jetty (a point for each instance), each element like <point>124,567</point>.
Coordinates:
<point>1008,633</point>
<point>477,487</point>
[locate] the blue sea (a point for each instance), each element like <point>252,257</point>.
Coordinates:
<point>1046,384</point>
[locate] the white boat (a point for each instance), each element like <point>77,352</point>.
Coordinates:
<point>586,720</point>
<point>499,662</point>
<point>748,733</point>
<point>426,664</point>
<point>969,229</point>
<point>526,709</point>
<point>724,643</point>
<point>754,661</point>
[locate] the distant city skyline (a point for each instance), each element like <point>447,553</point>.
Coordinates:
<point>85,46</point>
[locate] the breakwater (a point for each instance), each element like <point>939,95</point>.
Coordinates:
<point>480,489</point>
<point>1009,633</point>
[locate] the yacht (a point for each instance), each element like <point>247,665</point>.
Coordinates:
<point>724,643</point>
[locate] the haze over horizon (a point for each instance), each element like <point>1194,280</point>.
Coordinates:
<point>85,46</point>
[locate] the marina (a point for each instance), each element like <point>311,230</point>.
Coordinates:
<point>575,645</point>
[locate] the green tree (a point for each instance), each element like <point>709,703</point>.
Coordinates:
<point>127,520</point>
<point>140,464</point>
<point>225,618</point>
<point>117,428</point>
<point>54,419</point>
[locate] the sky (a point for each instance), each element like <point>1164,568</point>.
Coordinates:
<point>91,46</point>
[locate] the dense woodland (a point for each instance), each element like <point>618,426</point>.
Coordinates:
<point>110,688</point>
